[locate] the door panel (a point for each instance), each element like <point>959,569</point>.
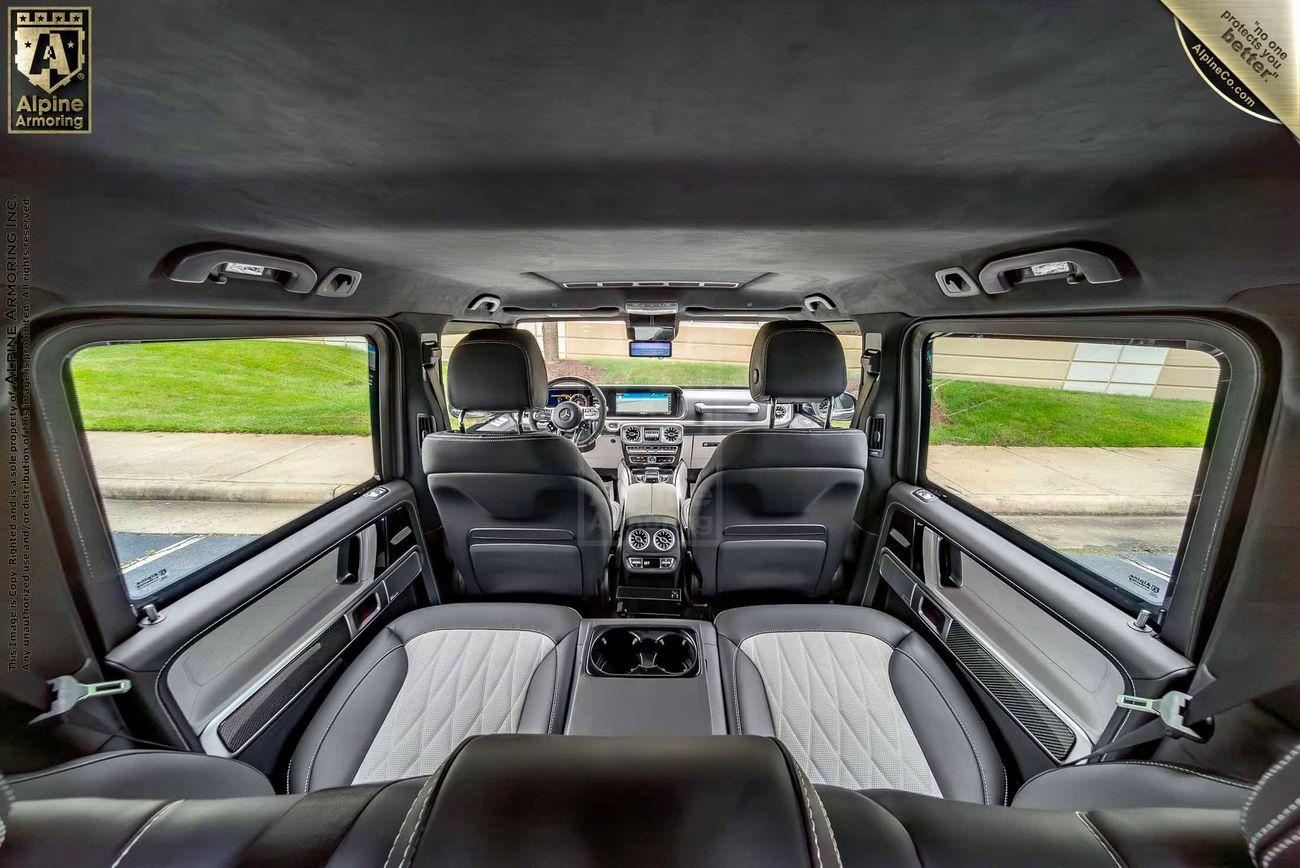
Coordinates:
<point>234,656</point>
<point>1046,654</point>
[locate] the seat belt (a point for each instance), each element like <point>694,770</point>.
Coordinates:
<point>56,702</point>
<point>431,351</point>
<point>1177,713</point>
<point>870,363</point>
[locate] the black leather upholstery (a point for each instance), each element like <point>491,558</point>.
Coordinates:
<point>896,828</point>
<point>773,510</point>
<point>1131,784</point>
<point>955,743</point>
<point>496,369</point>
<point>144,774</point>
<point>571,800</point>
<point>1271,816</point>
<point>341,732</point>
<point>498,801</point>
<point>523,514</point>
<point>796,361</point>
<point>634,801</point>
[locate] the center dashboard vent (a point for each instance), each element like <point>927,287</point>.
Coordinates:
<point>631,434</point>
<point>672,434</point>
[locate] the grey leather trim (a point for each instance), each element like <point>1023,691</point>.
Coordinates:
<point>1133,784</point>
<point>143,774</point>
<point>339,735</point>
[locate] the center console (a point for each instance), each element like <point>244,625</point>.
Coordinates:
<point>652,452</point>
<point>650,549</point>
<point>647,676</point>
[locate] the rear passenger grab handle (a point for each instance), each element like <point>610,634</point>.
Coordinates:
<point>749,409</point>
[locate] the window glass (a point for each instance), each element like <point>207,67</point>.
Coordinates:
<point>1092,448</point>
<point>200,447</point>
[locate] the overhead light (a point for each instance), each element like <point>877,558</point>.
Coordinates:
<point>651,308</point>
<point>1046,268</point>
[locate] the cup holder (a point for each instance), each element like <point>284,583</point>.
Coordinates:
<point>643,652</point>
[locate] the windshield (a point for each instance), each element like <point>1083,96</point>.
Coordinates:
<point>704,354</point>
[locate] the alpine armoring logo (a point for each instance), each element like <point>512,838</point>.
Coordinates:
<point>49,77</point>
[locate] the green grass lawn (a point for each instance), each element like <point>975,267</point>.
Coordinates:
<point>285,387</point>
<point>254,386</point>
<point>991,414</point>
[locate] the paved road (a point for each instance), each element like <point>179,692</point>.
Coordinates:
<point>152,561</point>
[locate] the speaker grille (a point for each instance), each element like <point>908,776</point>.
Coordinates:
<point>247,720</point>
<point>1019,701</point>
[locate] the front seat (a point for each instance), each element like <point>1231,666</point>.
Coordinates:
<point>523,513</point>
<point>773,508</point>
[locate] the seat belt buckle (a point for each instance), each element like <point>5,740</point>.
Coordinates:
<point>68,691</point>
<point>1170,708</point>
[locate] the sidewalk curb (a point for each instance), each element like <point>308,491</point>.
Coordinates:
<point>221,491</point>
<point>1079,504</point>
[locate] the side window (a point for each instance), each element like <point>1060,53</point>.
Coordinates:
<point>452,333</point>
<point>1091,448</point>
<point>199,447</point>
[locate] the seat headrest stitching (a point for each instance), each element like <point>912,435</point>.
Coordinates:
<point>528,365</point>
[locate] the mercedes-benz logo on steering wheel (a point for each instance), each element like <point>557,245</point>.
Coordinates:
<point>566,414</point>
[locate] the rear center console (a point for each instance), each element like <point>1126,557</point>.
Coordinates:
<point>650,549</point>
<point>647,676</point>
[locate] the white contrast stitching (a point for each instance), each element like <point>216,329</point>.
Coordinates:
<point>812,823</point>
<point>835,845</point>
<point>1110,851</point>
<point>306,785</point>
<point>1196,772</point>
<point>140,832</point>
<point>979,766</point>
<point>1250,800</point>
<point>1273,824</point>
<point>1277,849</point>
<point>416,800</point>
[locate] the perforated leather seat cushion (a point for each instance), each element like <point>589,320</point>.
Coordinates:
<point>858,699</point>
<point>433,678</point>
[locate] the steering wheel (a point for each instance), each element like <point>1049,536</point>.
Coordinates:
<point>581,425</point>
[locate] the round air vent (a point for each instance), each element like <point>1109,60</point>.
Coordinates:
<point>639,539</point>
<point>665,539</point>
<point>782,412</point>
<point>631,434</point>
<point>672,434</point>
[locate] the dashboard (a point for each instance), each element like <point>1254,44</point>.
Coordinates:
<point>581,397</point>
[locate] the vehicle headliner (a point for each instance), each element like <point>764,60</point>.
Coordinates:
<point>448,150</point>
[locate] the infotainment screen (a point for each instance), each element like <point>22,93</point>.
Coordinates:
<point>639,402</point>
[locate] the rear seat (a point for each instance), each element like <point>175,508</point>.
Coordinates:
<point>859,699</point>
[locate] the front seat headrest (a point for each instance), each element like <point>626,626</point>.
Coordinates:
<point>496,369</point>
<point>796,361</point>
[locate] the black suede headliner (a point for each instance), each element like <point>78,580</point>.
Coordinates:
<point>446,149</point>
